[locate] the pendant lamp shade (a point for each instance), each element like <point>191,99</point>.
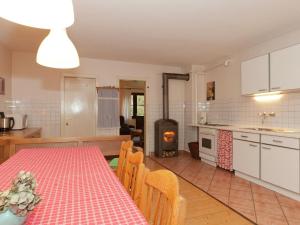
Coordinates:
<point>44,14</point>
<point>57,51</point>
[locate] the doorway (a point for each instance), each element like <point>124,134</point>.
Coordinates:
<point>133,110</point>
<point>79,107</point>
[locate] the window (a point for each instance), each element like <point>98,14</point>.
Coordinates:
<point>108,108</point>
<point>137,104</point>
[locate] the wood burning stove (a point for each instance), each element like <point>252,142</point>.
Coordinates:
<point>166,130</point>
<point>166,138</point>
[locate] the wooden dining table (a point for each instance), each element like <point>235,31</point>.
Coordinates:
<point>76,186</point>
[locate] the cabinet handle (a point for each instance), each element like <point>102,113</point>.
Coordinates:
<point>266,148</point>
<point>275,88</point>
<point>277,141</point>
<point>244,136</point>
<point>252,145</point>
<point>260,90</point>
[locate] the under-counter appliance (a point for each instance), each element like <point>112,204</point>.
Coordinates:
<point>6,124</point>
<point>20,121</point>
<point>207,145</point>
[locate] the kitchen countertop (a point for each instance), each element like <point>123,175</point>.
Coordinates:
<point>24,133</point>
<point>294,134</point>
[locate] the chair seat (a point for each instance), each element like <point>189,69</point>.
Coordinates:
<point>114,163</point>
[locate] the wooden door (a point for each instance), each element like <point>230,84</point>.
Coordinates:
<point>79,108</point>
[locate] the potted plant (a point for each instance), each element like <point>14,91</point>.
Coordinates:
<point>19,200</point>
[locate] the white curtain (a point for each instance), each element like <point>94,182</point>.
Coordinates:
<point>108,108</point>
<point>125,103</point>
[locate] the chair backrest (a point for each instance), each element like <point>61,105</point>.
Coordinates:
<point>160,198</point>
<point>182,210</point>
<point>140,179</point>
<point>126,146</point>
<point>133,170</point>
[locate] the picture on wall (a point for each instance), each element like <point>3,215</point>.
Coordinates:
<point>210,91</point>
<point>2,86</point>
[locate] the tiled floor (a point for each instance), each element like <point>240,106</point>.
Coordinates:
<point>261,205</point>
<point>202,209</point>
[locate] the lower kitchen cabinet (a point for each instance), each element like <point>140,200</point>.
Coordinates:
<point>280,166</point>
<point>246,157</point>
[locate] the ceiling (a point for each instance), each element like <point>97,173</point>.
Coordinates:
<point>171,32</point>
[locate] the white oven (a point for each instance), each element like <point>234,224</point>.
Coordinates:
<point>207,145</point>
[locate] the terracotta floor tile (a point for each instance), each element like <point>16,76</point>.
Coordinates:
<point>240,187</point>
<point>292,213</point>
<point>258,197</point>
<point>241,195</point>
<point>238,183</point>
<point>286,201</point>
<point>261,190</point>
<point>266,208</point>
<point>219,191</point>
<point>267,219</point>
<point>293,222</point>
<point>247,212</point>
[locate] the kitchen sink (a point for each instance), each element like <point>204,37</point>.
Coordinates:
<point>271,129</point>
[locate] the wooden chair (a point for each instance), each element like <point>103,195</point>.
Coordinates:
<point>126,146</point>
<point>160,200</point>
<point>182,210</point>
<point>137,195</point>
<point>133,171</point>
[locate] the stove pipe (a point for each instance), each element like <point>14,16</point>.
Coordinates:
<point>166,78</point>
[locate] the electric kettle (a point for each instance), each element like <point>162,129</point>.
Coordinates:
<point>6,123</point>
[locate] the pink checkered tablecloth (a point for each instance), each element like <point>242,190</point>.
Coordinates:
<point>76,185</point>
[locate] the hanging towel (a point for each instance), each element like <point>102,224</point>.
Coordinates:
<point>225,149</point>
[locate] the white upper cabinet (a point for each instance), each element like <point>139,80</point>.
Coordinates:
<point>255,75</point>
<point>285,69</point>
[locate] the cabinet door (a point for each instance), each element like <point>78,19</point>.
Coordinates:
<point>255,75</point>
<point>280,166</point>
<point>246,157</point>
<point>285,69</point>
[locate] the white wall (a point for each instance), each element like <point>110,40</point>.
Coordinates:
<point>231,107</point>
<point>5,70</point>
<point>38,88</point>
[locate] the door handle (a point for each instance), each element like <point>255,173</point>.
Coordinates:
<point>67,124</point>
<point>275,88</point>
<point>266,148</point>
<point>252,145</point>
<point>277,141</point>
<point>244,136</point>
<point>260,90</point>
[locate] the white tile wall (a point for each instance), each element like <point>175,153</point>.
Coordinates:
<point>244,111</point>
<point>41,113</point>
<point>190,133</point>
<point>46,114</point>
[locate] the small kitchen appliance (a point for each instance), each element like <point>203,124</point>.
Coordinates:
<point>202,117</point>
<point>20,121</point>
<point>6,124</point>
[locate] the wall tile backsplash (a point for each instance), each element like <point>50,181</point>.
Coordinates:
<point>47,115</point>
<point>245,110</point>
<point>41,113</point>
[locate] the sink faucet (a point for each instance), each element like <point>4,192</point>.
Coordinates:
<point>265,115</point>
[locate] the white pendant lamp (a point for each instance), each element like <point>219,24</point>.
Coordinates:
<point>44,14</point>
<point>58,51</point>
